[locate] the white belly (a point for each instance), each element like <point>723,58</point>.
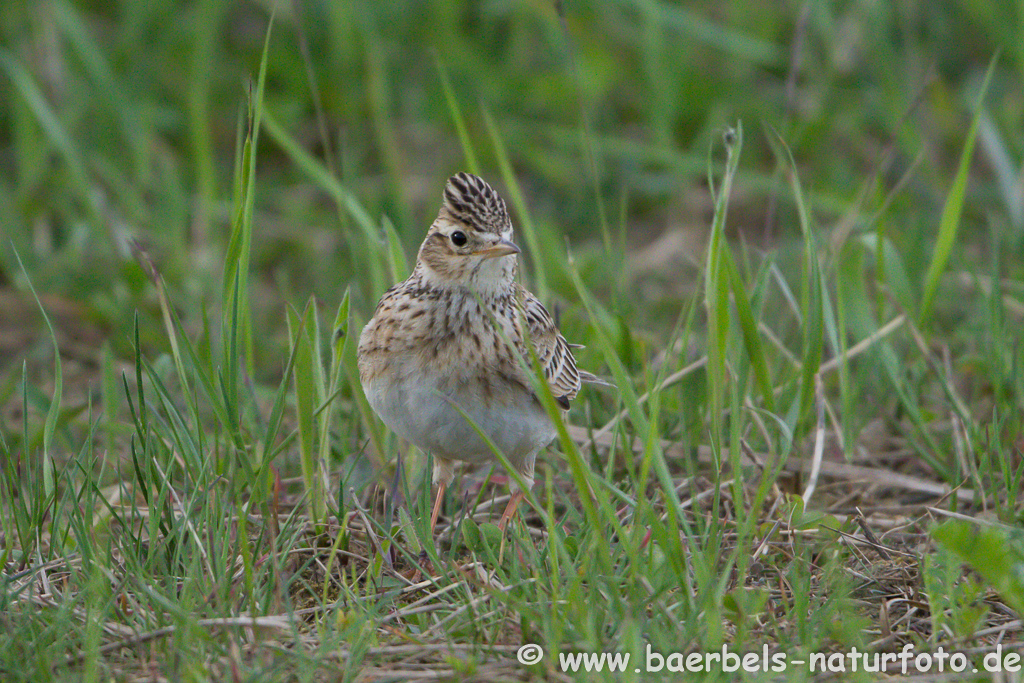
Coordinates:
<point>424,413</point>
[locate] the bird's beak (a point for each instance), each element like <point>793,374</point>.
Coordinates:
<point>503,248</point>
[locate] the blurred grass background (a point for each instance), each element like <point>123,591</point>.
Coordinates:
<point>123,134</point>
<point>121,120</point>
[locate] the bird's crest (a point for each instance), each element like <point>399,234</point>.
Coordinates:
<point>471,200</point>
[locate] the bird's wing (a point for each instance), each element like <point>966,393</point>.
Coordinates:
<point>553,352</point>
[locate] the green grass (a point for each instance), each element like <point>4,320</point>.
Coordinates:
<point>801,270</point>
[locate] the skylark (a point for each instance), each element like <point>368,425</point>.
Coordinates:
<point>449,342</point>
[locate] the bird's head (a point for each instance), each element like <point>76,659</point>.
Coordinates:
<point>470,242</point>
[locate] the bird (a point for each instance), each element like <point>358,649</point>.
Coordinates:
<point>451,342</point>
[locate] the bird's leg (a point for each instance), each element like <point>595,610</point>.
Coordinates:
<point>510,509</point>
<point>441,486</point>
<point>443,476</point>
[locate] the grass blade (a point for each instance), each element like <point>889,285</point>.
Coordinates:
<point>949,223</point>
<point>460,124</point>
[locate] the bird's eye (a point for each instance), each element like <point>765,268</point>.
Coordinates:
<point>458,238</point>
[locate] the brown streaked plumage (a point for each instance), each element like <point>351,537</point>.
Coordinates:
<point>450,338</point>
